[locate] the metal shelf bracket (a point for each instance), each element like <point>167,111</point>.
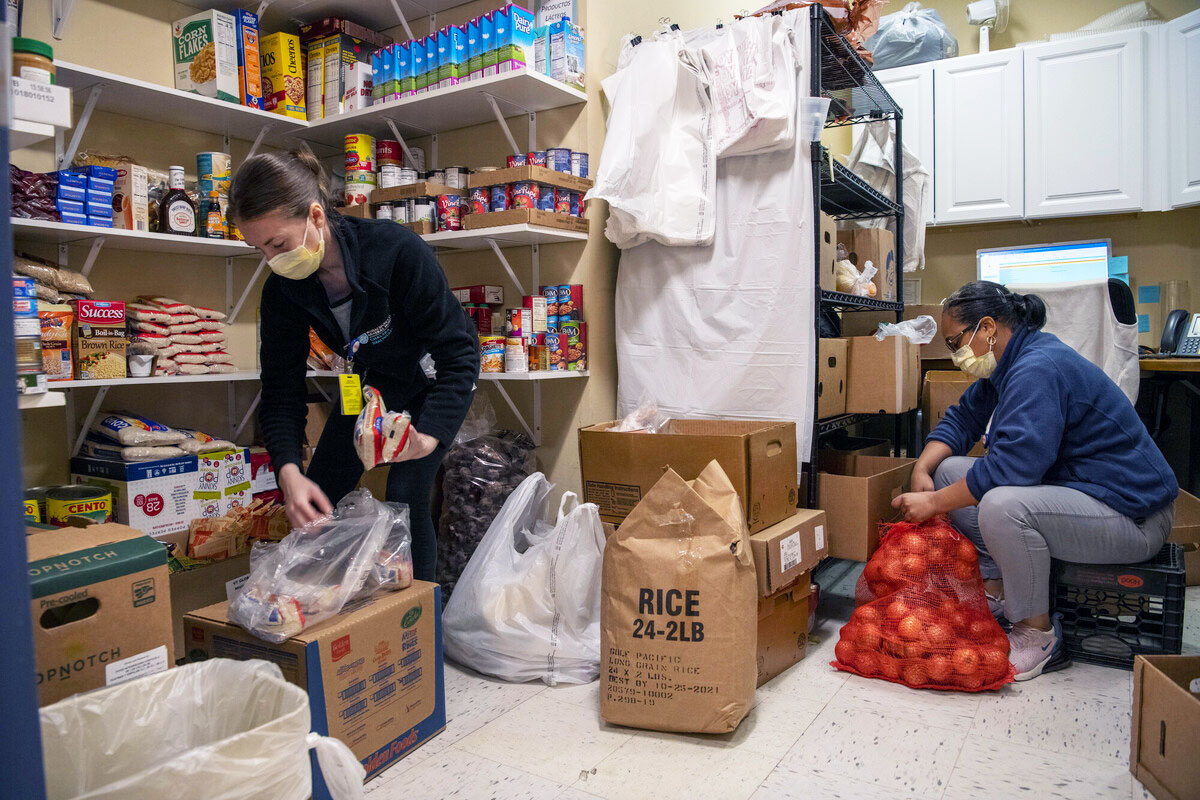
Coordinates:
<point>64,159</point>
<point>89,419</point>
<point>61,10</point>
<point>503,122</point>
<point>507,267</point>
<point>535,429</point>
<point>90,261</point>
<point>236,308</point>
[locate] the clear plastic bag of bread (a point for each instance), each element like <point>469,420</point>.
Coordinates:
<point>922,618</point>
<point>363,547</point>
<point>380,436</point>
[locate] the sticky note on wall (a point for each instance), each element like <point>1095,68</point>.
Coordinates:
<point>1148,293</point>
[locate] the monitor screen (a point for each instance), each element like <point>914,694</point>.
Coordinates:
<point>1045,263</point>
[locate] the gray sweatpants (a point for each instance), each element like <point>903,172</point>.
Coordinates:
<point>1017,529</point>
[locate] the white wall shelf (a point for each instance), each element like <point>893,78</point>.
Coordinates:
<point>50,232</point>
<point>540,375</point>
<point>23,133</point>
<point>377,15</point>
<point>41,400</point>
<point>171,380</point>
<point>521,235</point>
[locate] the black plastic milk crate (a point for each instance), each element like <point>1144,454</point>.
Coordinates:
<point>1113,612</point>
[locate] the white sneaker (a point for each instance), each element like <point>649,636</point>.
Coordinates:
<point>995,605</point>
<point>1031,650</point>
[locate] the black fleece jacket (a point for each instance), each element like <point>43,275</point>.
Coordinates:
<point>401,308</point>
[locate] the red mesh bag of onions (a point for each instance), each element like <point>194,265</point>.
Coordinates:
<point>922,618</point>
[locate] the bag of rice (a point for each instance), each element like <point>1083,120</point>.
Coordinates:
<point>97,447</point>
<point>130,429</point>
<point>190,327</point>
<point>218,357</point>
<point>147,313</point>
<point>190,358</point>
<point>185,338</point>
<point>198,442</point>
<point>209,313</point>
<point>191,369</point>
<point>183,319</point>
<point>148,327</point>
<point>222,368</point>
<point>174,306</point>
<point>47,293</point>
<point>209,325</point>
<point>211,336</point>
<point>156,339</point>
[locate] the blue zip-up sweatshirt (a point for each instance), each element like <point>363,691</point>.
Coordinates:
<point>1057,419</point>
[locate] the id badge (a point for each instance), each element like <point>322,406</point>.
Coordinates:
<point>351,394</point>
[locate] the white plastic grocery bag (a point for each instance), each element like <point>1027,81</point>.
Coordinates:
<point>528,603</point>
<point>215,730</point>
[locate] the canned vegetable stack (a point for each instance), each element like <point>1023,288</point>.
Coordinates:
<point>27,329</point>
<point>545,334</point>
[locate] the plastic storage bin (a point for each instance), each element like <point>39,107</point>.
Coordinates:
<point>1113,612</point>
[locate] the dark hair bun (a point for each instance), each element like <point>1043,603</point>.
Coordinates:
<point>980,299</point>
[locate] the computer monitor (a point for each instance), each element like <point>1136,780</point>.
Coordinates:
<point>1044,263</point>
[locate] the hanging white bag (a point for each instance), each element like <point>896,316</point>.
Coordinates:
<point>527,606</point>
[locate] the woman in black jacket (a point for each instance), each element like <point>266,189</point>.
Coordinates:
<point>374,292</point>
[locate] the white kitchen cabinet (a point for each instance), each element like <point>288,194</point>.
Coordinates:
<point>912,89</point>
<point>1183,110</point>
<point>1085,125</point>
<point>979,147</point>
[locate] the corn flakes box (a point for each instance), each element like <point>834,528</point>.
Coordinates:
<point>205,52</point>
<point>283,75</point>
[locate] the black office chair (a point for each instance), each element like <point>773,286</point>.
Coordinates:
<point>1121,298</point>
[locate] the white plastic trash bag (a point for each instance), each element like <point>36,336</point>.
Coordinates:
<point>215,730</point>
<point>919,330</point>
<point>911,36</point>
<point>528,604</point>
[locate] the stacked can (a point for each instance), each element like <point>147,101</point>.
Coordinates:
<point>360,168</point>
<point>559,159</point>
<point>27,330</point>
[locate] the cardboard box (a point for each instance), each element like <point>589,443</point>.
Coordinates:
<point>882,377</point>
<point>857,446</point>
<point>56,323</point>
<point>373,674</point>
<point>546,175</point>
<point>864,323</point>
<point>249,59</point>
<point>878,246</point>
<point>488,295</point>
<point>222,479</point>
<point>425,227</point>
<point>1166,725</point>
<point>758,456</point>
<point>156,497</point>
<point>283,76</point>
<point>420,189</point>
<point>98,339</point>
<point>856,493</point>
<point>941,389</point>
<point>1186,532</point>
<point>101,608</point>
<point>517,216</point>
<point>328,26</point>
<point>205,53</point>
<point>787,550</point>
<point>200,587</point>
<point>783,629</point>
<point>131,198</point>
<point>831,377</point>
<point>827,268</point>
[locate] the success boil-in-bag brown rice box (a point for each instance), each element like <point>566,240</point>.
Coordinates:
<point>99,339</point>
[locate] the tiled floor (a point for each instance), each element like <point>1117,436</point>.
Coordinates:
<point>815,733</point>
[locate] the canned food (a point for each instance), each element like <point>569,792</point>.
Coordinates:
<point>449,214</point>
<point>576,205</point>
<point>545,198</point>
<point>213,173</point>
<point>551,295</point>
<point>389,153</point>
<point>491,353</point>
<point>480,200</point>
<point>389,176</point>
<point>501,197</point>
<point>456,177</point>
<point>562,201</point>
<point>535,158</point>
<point>24,288</point>
<point>35,503</point>
<point>437,176</point>
<point>361,176</point>
<point>408,176</point>
<point>424,210</point>
<point>516,356</point>
<point>556,349</point>
<point>559,159</point>
<point>525,194</point>
<point>88,502</point>
<point>401,211</point>
<point>552,321</point>
<point>384,211</point>
<point>519,160</point>
<point>32,512</point>
<point>579,164</point>
<point>360,151</point>
<point>358,194</point>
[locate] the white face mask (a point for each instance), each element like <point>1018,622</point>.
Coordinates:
<point>299,263</point>
<point>976,366</point>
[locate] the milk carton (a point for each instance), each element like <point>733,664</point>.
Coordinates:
<point>473,51</point>
<point>515,51</point>
<point>567,53</point>
<point>452,56</point>
<point>499,34</point>
<point>406,82</point>
<point>487,32</point>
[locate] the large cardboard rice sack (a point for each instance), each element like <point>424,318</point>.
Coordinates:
<point>678,615</point>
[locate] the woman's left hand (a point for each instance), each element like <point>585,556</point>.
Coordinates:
<point>419,446</point>
<point>916,506</point>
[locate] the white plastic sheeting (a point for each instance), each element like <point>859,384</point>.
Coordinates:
<point>726,331</point>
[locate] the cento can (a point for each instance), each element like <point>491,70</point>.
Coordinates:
<point>545,197</point>
<point>360,151</point>
<point>502,197</point>
<point>559,159</point>
<point>535,158</point>
<point>449,214</point>
<point>518,160</point>
<point>579,164</point>
<point>35,503</point>
<point>89,502</point>
<point>480,200</point>
<point>525,194</point>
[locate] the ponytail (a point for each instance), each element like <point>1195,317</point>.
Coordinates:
<point>289,182</point>
<point>980,299</point>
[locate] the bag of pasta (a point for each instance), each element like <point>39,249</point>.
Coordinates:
<point>922,618</point>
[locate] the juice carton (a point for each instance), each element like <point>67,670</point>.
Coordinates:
<point>501,38</point>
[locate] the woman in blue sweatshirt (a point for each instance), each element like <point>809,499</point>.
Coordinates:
<point>1070,471</point>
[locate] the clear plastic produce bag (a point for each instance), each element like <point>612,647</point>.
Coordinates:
<point>919,330</point>
<point>215,730</point>
<point>363,547</point>
<point>911,36</point>
<point>528,604</point>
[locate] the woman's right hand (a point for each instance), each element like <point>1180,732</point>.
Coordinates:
<point>921,481</point>
<point>303,499</point>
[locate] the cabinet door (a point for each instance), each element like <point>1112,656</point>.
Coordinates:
<point>1085,125</point>
<point>912,89</point>
<point>978,139</point>
<point>1183,109</point>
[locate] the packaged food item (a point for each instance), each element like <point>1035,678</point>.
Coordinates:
<point>579,164</point>
<point>453,64</point>
<point>556,351</point>
<point>90,503</point>
<point>535,158</point>
<point>449,212</point>
<point>570,301</point>
<point>559,159</point>
<point>491,353</point>
<point>501,197</point>
<point>56,322</point>
<point>518,160</point>
<point>248,58</point>
<point>197,442</point>
<point>545,197</point>
<point>567,57</point>
<point>525,194</point>
<point>380,436</point>
<point>357,85</point>
<point>360,152</point>
<point>32,60</point>
<point>516,355</point>
<point>176,211</point>
<point>283,75</point>
<point>205,53</point>
<point>99,339</point>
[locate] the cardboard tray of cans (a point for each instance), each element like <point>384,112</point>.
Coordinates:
<point>411,190</point>
<point>423,227</point>
<point>533,216</point>
<point>545,175</point>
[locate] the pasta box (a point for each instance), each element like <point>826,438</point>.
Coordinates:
<point>99,340</point>
<point>101,608</point>
<point>373,674</point>
<point>155,497</point>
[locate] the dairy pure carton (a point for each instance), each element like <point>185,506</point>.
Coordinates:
<point>452,54</point>
<point>473,41</point>
<point>478,59</point>
<point>501,33</point>
<point>99,339</point>
<point>515,51</point>
<point>433,62</point>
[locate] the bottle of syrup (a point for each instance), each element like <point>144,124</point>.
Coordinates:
<point>176,211</point>
<point>214,225</point>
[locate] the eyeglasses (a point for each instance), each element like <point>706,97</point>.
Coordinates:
<point>952,342</point>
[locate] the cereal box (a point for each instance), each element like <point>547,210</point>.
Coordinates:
<point>205,53</point>
<point>56,322</point>
<point>248,58</point>
<point>282,75</point>
<point>99,339</point>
